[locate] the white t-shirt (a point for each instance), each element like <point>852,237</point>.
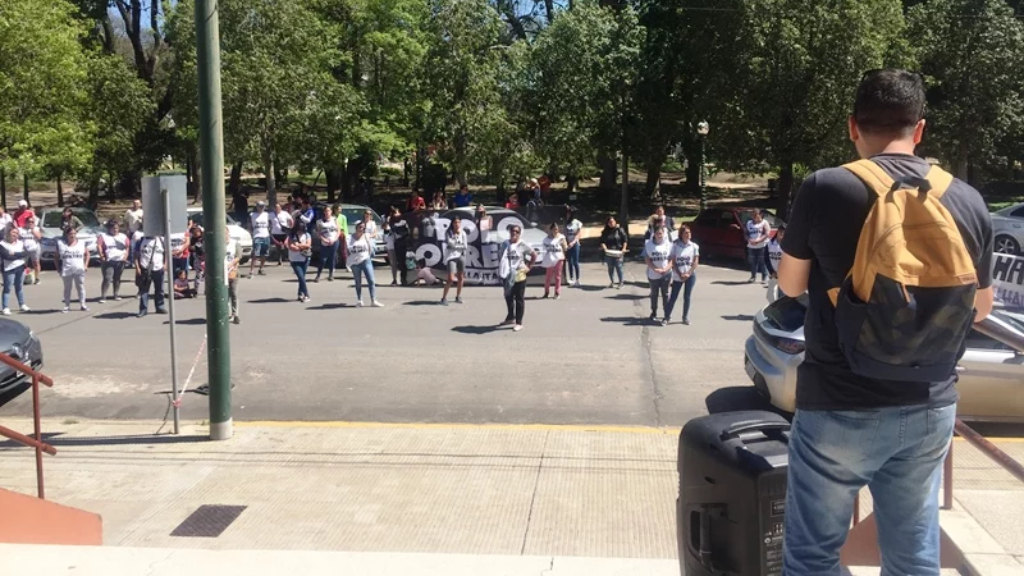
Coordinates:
<point>775,254</point>
<point>553,251</point>
<point>28,238</point>
<point>116,246</point>
<point>260,224</point>
<point>327,230</point>
<point>14,248</point>
<point>5,221</point>
<point>572,230</point>
<point>517,255</point>
<point>152,254</point>
<point>132,219</point>
<point>280,223</point>
<point>684,255</point>
<point>72,258</point>
<point>455,246</point>
<point>659,255</point>
<point>297,255</point>
<point>360,250</point>
<point>371,229</point>
<point>755,230</point>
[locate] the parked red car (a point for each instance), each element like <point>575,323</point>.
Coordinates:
<point>720,231</point>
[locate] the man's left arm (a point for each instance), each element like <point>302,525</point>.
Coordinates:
<point>984,299</point>
<point>795,267</point>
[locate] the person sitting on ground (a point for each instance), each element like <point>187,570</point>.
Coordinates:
<point>182,289</point>
<point>424,274</point>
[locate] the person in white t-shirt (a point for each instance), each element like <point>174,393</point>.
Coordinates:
<point>113,249</point>
<point>232,258</point>
<point>573,234</point>
<point>5,221</point>
<point>685,258</point>
<point>12,254</point>
<point>299,244</point>
<point>360,258</point>
<point>281,223</point>
<point>758,232</point>
<point>73,262</point>
<point>328,233</point>
<point>151,260</point>
<point>133,217</point>
<point>260,223</point>
<point>657,252</point>
<point>31,235</point>
<point>455,245</point>
<point>551,259</point>
<point>517,260</point>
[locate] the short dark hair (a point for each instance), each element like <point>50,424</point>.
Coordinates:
<point>889,101</point>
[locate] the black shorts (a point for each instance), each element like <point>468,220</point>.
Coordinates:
<point>279,238</point>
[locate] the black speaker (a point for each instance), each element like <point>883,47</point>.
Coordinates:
<point>732,494</point>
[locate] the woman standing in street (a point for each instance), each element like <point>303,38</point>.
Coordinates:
<point>517,259</point>
<point>400,233</point>
<point>113,249</point>
<point>758,233</point>
<point>12,253</point>
<point>389,244</point>
<point>196,237</point>
<point>573,230</point>
<point>299,246</point>
<point>455,259</point>
<point>554,255</point>
<point>370,224</point>
<point>659,270</point>
<point>30,235</point>
<point>484,223</point>
<point>360,258</point>
<point>150,262</point>
<point>614,243</point>
<point>327,232</point>
<point>73,263</point>
<point>685,258</point>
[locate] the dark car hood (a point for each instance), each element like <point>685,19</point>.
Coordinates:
<point>12,332</point>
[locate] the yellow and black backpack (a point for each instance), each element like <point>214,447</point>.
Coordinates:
<point>905,308</point>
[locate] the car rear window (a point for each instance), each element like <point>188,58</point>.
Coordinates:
<point>786,313</point>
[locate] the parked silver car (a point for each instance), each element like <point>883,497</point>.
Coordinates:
<point>991,371</point>
<point>20,343</point>
<point>49,225</point>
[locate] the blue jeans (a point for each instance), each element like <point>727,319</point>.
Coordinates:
<point>358,270</point>
<point>16,279</point>
<point>676,286</point>
<point>756,259</point>
<point>572,262</point>
<point>898,453</point>
<point>614,266</point>
<point>328,257</point>
<point>300,272</point>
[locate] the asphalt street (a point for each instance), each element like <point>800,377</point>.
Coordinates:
<point>589,358</point>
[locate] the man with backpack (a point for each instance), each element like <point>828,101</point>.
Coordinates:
<point>895,256</point>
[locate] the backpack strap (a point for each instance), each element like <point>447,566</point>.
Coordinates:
<point>872,175</point>
<point>940,181</point>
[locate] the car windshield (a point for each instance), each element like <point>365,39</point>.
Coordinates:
<point>197,217</point>
<point>52,218</point>
<point>354,215</point>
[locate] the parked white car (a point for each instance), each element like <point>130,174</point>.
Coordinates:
<point>238,233</point>
<point>1008,227</point>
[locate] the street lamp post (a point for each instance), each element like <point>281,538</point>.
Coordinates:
<point>702,131</point>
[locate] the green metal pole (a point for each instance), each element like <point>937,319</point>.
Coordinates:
<point>211,144</point>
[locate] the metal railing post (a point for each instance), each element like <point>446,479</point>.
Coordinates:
<point>947,479</point>
<point>39,436</point>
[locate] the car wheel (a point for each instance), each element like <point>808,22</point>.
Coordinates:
<point>1007,245</point>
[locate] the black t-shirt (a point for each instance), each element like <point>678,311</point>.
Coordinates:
<point>824,227</point>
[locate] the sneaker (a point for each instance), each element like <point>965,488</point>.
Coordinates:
<point>664,321</point>
<point>517,327</point>
<point>25,308</point>
<point>545,295</point>
<point>619,287</point>
<point>752,280</point>
<point>557,296</point>
<point>611,284</point>
<point>117,298</point>
<point>65,310</point>
<point>161,311</point>
<point>307,298</point>
<point>458,299</point>
<point>6,312</point>
<point>261,272</point>
<point>316,280</point>
<point>359,303</point>
<point>249,276</point>
<point>102,300</point>
<point>508,322</point>
<point>85,308</point>
<point>141,314</point>
<point>377,304</point>
<point>394,282</point>
<point>236,320</point>
<point>653,317</point>
<point>686,321</point>
<point>764,281</point>
<point>36,281</point>
<point>444,301</point>
<point>301,298</point>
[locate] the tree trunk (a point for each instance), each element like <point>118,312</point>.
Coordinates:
<point>111,185</point>
<point>333,183</point>
<point>190,179</point>
<point>268,172</point>
<point>785,190</point>
<point>624,200</point>
<point>549,7</point>
<point>960,164</point>
<point>652,188</point>
<point>419,166</point>
<point>25,190</point>
<point>94,191</point>
<point>3,188</point>
<point>236,177</point>
<point>692,151</point>
<point>60,192</point>
<point>609,171</point>
<point>405,172</point>
<point>572,182</point>
<point>280,176</point>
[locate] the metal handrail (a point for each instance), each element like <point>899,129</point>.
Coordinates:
<point>36,442</point>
